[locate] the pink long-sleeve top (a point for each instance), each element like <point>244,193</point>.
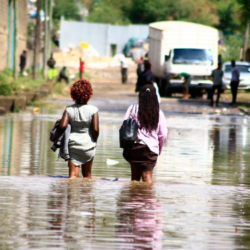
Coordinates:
<point>154,140</point>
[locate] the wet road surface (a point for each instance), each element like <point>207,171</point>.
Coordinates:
<point>200,198</point>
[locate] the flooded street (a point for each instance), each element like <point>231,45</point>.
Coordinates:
<point>200,198</point>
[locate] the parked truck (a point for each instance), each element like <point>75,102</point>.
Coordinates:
<point>176,47</point>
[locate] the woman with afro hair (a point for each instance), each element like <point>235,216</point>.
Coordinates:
<point>84,121</point>
<point>151,135</point>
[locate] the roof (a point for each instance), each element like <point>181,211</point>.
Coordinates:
<point>165,25</point>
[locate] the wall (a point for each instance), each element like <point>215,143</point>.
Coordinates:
<point>6,46</point>
<point>100,36</point>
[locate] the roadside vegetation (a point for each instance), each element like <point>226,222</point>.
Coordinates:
<point>218,13</point>
<point>25,84</point>
<point>10,86</point>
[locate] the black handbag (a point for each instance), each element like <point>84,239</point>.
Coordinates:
<point>128,132</point>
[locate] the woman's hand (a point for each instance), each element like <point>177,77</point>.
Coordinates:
<point>95,126</point>
<point>64,121</point>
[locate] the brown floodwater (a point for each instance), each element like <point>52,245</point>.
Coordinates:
<point>200,198</point>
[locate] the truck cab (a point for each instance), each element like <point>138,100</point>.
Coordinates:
<point>198,62</point>
<point>181,47</point>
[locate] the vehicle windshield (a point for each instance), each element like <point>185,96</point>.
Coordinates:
<point>242,68</point>
<point>193,56</point>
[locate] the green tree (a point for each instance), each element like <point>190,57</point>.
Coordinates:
<point>227,12</point>
<point>231,50</point>
<point>199,11</point>
<point>68,9</point>
<point>107,11</point>
<point>147,11</point>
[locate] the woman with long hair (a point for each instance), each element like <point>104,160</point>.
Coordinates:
<point>84,121</point>
<point>151,135</point>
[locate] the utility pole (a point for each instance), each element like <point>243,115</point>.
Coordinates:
<point>37,40</point>
<point>50,24</point>
<point>15,70</point>
<point>246,38</point>
<point>46,33</point>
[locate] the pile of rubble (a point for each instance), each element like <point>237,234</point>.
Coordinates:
<point>70,58</point>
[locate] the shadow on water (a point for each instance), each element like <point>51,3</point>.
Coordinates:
<point>200,198</point>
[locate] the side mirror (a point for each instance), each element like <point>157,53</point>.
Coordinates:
<point>167,57</point>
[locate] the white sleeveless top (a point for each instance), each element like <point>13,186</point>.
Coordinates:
<point>80,139</point>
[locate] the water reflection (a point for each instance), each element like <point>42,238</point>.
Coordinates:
<point>231,143</point>
<point>79,214</point>
<point>200,199</point>
<point>139,215</point>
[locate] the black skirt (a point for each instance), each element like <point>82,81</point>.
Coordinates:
<point>141,157</point>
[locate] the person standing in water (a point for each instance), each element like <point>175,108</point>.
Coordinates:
<point>151,135</point>
<point>84,121</point>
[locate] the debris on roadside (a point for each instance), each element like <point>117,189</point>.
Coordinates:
<point>70,58</point>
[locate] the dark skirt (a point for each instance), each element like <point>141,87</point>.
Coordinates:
<point>141,157</point>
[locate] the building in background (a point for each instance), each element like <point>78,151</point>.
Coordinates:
<point>13,32</point>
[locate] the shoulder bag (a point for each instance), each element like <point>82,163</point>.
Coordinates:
<point>128,132</point>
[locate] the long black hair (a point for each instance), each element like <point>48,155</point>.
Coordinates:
<point>148,114</point>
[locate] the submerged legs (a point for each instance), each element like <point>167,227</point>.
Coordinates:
<point>86,169</point>
<point>73,170</point>
<point>137,174</point>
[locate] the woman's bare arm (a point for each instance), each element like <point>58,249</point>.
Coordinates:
<point>64,121</point>
<point>95,126</point>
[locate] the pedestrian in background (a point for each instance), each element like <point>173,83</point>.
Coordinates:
<point>22,62</point>
<point>217,75</point>
<point>81,72</point>
<point>51,62</point>
<point>124,69</point>
<point>84,121</point>
<point>151,135</point>
<point>186,83</point>
<point>52,74</point>
<point>145,77</point>
<point>140,66</point>
<point>62,75</point>
<point>235,80</point>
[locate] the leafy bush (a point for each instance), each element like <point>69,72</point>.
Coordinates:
<point>231,51</point>
<point>5,85</point>
<point>10,86</point>
<point>5,89</point>
<point>8,72</point>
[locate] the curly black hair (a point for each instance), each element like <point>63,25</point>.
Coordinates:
<point>81,91</point>
<point>148,114</point>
